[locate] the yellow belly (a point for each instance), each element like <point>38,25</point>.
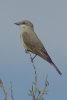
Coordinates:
<point>26,47</point>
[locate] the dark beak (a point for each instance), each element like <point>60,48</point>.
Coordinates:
<point>17,23</point>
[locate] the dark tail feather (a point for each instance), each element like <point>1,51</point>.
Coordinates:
<point>45,56</point>
<point>56,68</point>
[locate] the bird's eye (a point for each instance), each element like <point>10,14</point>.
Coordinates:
<point>23,23</point>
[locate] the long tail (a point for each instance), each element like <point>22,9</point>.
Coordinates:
<point>56,68</point>
<point>45,56</point>
<point>48,59</point>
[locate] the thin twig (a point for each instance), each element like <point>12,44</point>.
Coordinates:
<point>4,90</point>
<point>32,61</point>
<point>34,68</point>
<point>35,91</point>
<point>44,90</point>
<point>11,91</point>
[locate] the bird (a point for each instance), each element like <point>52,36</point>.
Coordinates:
<point>32,43</point>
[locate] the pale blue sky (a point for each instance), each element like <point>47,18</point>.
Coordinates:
<point>50,22</point>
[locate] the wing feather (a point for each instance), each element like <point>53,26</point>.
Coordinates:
<point>36,46</point>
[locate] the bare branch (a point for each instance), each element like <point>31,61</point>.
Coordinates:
<point>11,91</point>
<point>4,90</point>
<point>35,91</point>
<point>33,67</point>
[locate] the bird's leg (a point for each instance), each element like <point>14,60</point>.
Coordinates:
<point>34,57</point>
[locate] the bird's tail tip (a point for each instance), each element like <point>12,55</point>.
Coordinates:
<point>57,69</point>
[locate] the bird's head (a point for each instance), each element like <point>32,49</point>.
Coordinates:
<point>25,24</point>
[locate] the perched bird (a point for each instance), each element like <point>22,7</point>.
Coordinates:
<point>32,43</point>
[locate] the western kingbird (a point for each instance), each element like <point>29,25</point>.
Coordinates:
<point>32,43</point>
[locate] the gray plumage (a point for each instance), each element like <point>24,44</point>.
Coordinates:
<point>33,43</point>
